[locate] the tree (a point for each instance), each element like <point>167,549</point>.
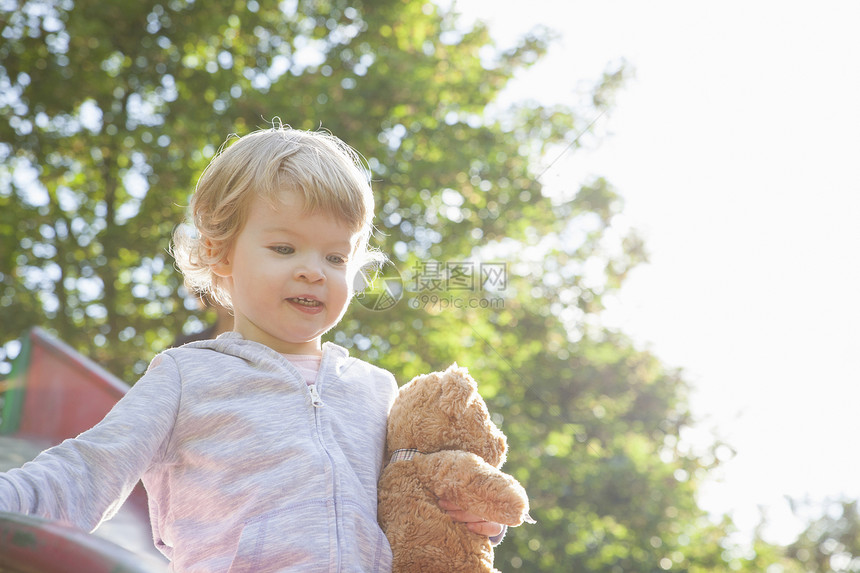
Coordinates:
<point>94,172</point>
<point>112,110</point>
<point>830,542</point>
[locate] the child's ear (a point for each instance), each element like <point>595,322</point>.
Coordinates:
<point>223,265</point>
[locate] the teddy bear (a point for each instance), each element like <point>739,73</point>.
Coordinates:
<point>441,443</point>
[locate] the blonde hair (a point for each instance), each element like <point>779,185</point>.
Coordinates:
<point>329,176</point>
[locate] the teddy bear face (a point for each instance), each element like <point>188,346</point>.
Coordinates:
<point>444,411</point>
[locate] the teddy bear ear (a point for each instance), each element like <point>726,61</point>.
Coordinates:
<point>458,370</point>
<point>457,388</point>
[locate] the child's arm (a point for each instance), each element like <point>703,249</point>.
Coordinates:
<point>85,480</point>
<point>475,523</point>
<point>466,480</point>
<point>463,480</point>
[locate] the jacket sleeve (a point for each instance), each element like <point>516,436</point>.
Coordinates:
<point>85,480</point>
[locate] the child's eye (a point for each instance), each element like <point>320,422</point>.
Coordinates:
<point>282,249</point>
<point>337,259</point>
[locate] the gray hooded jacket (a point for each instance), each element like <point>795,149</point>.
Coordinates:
<point>247,469</point>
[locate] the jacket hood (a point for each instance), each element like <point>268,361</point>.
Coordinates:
<point>260,355</point>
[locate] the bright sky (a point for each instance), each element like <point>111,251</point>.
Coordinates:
<point>737,149</point>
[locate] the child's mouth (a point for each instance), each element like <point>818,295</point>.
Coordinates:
<point>306,302</point>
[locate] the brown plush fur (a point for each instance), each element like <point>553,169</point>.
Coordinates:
<point>443,416</point>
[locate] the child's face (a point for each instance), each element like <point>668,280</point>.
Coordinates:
<point>289,275</point>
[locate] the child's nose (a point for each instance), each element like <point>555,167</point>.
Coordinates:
<point>310,270</point>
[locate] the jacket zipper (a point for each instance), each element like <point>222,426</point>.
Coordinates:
<point>315,396</point>
<point>317,402</point>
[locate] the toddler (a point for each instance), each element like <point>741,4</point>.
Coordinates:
<point>260,450</point>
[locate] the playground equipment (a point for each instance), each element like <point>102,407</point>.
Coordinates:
<point>54,393</point>
<point>32,545</point>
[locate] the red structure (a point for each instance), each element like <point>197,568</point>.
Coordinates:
<point>64,393</point>
<point>31,545</point>
<point>52,394</point>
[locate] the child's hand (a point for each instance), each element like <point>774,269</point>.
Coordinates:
<point>474,523</point>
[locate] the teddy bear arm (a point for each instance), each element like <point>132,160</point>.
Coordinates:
<point>468,481</point>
